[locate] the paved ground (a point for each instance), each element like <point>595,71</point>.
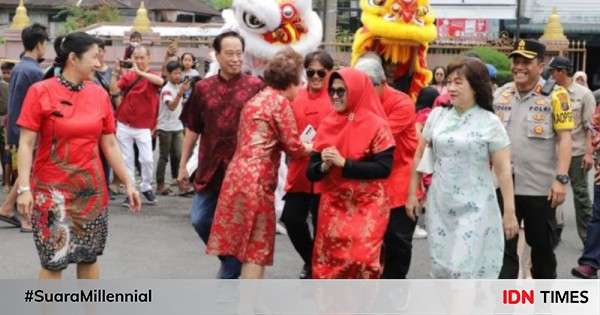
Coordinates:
<point>161,243</point>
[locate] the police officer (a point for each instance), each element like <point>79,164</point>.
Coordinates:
<point>584,105</point>
<point>539,120</point>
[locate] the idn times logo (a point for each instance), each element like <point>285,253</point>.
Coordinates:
<point>512,296</point>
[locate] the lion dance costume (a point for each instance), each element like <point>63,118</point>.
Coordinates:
<point>399,31</point>
<point>267,26</point>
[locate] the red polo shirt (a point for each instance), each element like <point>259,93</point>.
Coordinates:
<point>139,108</point>
<point>309,108</point>
<point>400,111</point>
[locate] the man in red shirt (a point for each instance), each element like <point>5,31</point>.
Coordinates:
<point>400,111</point>
<point>213,110</point>
<point>136,116</point>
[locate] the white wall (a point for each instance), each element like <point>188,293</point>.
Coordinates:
<point>570,11</point>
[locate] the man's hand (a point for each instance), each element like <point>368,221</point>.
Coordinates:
<point>413,207</point>
<point>557,194</point>
<point>510,224</point>
<point>183,179</point>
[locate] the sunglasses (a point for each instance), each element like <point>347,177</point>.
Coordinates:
<point>321,73</point>
<point>340,92</point>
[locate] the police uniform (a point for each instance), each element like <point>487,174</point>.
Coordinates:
<point>532,120</point>
<point>584,105</point>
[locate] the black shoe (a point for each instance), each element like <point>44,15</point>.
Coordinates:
<point>306,272</point>
<point>150,197</point>
<point>11,220</point>
<point>558,235</point>
<point>125,202</point>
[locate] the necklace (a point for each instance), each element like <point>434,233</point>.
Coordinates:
<point>70,85</point>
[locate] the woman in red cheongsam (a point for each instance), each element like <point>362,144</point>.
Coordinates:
<point>353,156</point>
<point>68,119</point>
<point>244,222</point>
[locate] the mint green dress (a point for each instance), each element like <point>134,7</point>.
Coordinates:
<point>463,217</point>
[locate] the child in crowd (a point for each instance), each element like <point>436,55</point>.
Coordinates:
<point>169,127</point>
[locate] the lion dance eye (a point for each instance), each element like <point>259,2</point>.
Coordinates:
<point>252,21</point>
<point>288,11</point>
<point>377,3</point>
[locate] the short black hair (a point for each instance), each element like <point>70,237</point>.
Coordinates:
<point>7,66</point>
<point>172,66</point>
<point>135,34</point>
<point>33,35</point>
<point>219,39</point>
<point>320,56</point>
<point>101,43</point>
<point>188,54</point>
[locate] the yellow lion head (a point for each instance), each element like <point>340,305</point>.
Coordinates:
<point>399,31</point>
<point>408,20</point>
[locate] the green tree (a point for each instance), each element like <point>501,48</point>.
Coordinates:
<point>497,59</point>
<point>78,17</point>
<point>221,4</point>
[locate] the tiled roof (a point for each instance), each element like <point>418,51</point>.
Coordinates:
<point>195,6</point>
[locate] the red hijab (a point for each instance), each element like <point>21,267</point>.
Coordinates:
<point>353,130</point>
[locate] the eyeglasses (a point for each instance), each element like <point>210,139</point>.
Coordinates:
<point>321,73</point>
<point>340,92</point>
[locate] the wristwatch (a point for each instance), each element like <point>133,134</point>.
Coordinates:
<point>563,179</point>
<point>22,189</point>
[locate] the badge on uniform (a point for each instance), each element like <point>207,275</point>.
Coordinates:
<point>541,102</point>
<point>538,89</point>
<point>538,130</point>
<point>539,117</point>
<point>564,101</point>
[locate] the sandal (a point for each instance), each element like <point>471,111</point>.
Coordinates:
<point>26,230</point>
<point>10,220</point>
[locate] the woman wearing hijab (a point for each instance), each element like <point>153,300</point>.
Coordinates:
<point>353,156</point>
<point>580,77</point>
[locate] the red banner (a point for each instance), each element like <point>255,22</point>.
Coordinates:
<point>462,29</point>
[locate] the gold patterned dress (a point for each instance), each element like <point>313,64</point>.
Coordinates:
<point>244,222</point>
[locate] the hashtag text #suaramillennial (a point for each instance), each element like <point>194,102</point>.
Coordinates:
<point>89,296</point>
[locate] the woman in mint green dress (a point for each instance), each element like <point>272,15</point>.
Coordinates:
<point>466,227</point>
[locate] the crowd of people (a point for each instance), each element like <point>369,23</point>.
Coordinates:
<point>365,161</point>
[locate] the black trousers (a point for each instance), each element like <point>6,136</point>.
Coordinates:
<point>540,234</point>
<point>397,245</point>
<point>295,213</point>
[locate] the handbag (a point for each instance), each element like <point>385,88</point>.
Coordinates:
<point>426,164</point>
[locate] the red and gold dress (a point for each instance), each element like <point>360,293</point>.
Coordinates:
<point>354,209</point>
<point>69,190</point>
<point>244,222</point>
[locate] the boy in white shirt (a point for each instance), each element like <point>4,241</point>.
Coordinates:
<point>169,127</point>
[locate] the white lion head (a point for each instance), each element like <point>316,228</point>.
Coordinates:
<point>269,25</point>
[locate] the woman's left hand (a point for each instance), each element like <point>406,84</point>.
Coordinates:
<point>510,224</point>
<point>135,203</point>
<point>332,155</point>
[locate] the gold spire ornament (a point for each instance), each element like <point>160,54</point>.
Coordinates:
<point>21,20</point>
<point>141,23</point>
<point>554,30</point>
